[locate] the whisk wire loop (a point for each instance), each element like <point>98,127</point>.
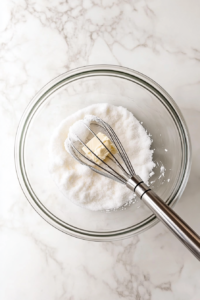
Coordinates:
<point>117,177</point>
<point>111,154</point>
<point>121,175</point>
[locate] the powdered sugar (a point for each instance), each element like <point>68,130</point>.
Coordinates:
<point>81,185</point>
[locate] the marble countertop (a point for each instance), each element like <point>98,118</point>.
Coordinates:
<point>39,40</point>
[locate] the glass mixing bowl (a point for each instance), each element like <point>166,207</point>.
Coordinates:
<point>75,90</point>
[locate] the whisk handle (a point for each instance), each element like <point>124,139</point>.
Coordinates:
<point>165,214</point>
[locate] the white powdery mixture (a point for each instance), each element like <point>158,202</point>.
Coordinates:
<point>83,186</point>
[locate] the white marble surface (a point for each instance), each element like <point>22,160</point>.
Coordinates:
<point>40,39</point>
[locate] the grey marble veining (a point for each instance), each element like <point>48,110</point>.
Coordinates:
<point>38,41</point>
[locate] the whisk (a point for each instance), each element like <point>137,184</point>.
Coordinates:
<point>119,168</point>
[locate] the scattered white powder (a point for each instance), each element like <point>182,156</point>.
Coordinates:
<point>83,186</point>
<point>162,171</point>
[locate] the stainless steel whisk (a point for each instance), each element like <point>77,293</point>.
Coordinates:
<point>119,168</point>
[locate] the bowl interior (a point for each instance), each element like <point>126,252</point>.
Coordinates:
<point>158,118</point>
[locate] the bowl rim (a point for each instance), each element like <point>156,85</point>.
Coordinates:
<point>51,87</point>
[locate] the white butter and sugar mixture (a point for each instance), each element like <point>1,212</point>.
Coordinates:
<point>81,185</point>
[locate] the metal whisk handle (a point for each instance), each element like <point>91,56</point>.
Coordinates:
<point>165,214</point>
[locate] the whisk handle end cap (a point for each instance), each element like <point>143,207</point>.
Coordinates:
<point>165,214</point>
